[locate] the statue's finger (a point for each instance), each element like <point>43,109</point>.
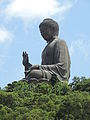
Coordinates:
<point>26,54</point>
<point>23,53</point>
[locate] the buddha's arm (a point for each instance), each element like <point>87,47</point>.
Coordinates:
<point>60,56</point>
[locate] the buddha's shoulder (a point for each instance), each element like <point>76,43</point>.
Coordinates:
<point>60,41</point>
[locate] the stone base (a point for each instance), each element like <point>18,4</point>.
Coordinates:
<point>34,80</point>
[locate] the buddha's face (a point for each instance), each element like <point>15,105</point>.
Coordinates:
<point>47,33</point>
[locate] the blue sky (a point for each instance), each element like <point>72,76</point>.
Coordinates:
<point>19,21</point>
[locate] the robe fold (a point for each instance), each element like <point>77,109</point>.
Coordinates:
<point>56,59</point>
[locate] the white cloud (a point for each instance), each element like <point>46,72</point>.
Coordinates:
<point>5,35</point>
<point>29,10</point>
<point>81,47</point>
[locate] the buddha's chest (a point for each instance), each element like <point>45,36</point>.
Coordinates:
<point>48,53</point>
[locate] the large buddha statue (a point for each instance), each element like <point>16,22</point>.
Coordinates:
<point>55,56</point>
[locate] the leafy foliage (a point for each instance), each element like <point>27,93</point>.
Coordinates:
<point>46,101</point>
<point>81,84</point>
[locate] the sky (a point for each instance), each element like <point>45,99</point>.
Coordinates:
<point>19,31</point>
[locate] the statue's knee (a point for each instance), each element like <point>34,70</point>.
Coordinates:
<point>48,75</point>
<point>35,74</point>
<point>32,73</point>
<point>39,74</point>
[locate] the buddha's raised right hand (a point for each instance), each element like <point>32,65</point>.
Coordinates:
<point>25,58</point>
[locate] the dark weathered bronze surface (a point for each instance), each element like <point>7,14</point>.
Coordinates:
<point>55,56</point>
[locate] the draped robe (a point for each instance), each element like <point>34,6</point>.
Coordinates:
<point>56,59</point>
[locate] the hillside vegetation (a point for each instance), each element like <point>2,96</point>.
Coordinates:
<point>46,101</point>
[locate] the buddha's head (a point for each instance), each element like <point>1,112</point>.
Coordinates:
<point>49,29</point>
